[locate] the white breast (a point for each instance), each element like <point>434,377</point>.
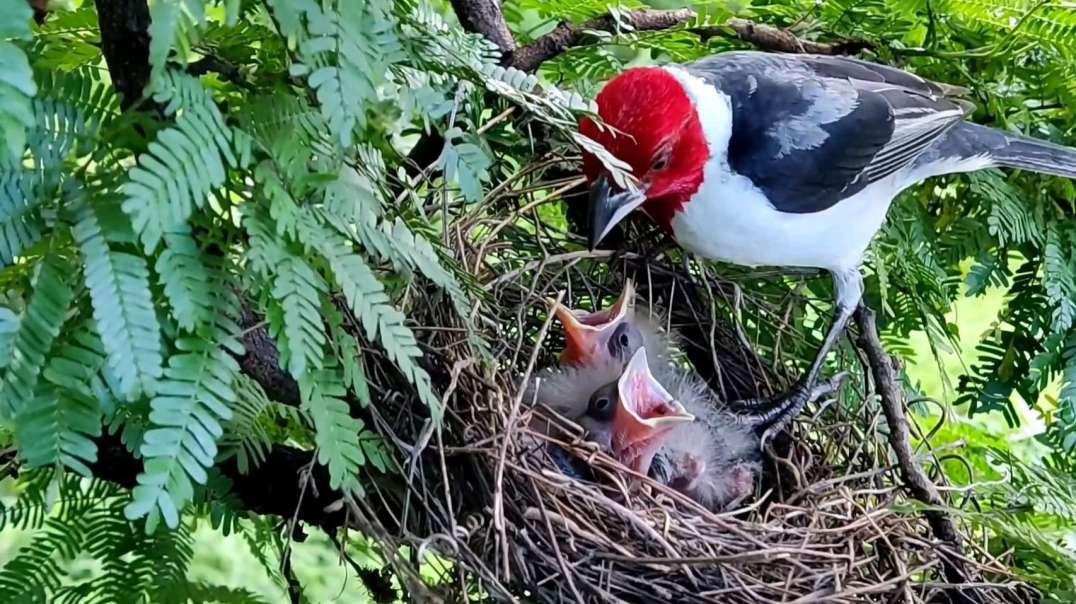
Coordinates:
<point>729,219</point>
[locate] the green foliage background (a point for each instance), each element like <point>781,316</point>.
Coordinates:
<point>132,239</point>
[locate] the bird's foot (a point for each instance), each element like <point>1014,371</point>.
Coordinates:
<point>788,406</point>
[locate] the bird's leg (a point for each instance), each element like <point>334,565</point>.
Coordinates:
<point>739,485</point>
<point>849,289</point>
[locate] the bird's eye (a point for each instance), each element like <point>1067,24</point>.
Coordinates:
<point>601,405</point>
<point>620,345</point>
<point>660,163</point>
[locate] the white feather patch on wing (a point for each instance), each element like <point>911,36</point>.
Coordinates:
<point>829,101</point>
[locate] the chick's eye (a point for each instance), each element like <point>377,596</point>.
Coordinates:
<point>601,405</point>
<point>621,343</point>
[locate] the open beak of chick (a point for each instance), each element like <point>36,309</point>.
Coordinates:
<point>585,333</point>
<point>644,415</point>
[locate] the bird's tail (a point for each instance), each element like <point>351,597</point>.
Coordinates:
<point>1008,150</point>
<point>1038,156</point>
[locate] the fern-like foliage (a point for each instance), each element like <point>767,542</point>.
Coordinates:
<point>38,328</point>
<point>255,425</point>
<point>367,299</point>
<point>86,522</point>
<point>118,283</point>
<point>58,425</point>
<point>183,166</point>
<point>16,81</point>
<point>1059,275</point>
<point>184,275</point>
<point>298,326</point>
<point>345,54</point>
<point>337,432</point>
<point>193,400</point>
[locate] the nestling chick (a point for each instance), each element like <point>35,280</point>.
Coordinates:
<point>714,458</point>
<point>615,332</point>
<point>631,427</point>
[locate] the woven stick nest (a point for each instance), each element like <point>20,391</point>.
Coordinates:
<point>830,521</point>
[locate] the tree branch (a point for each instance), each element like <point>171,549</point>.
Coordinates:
<point>125,43</point>
<point>272,488</point>
<point>261,361</point>
<point>566,35</point>
<point>485,17</point>
<point>777,39</point>
<point>915,478</point>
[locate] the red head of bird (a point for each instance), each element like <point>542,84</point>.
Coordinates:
<point>652,125</point>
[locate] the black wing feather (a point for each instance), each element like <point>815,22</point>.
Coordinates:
<point>810,131</point>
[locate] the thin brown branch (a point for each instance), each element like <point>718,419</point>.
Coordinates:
<point>777,39</point>
<point>887,385</point>
<point>567,35</point>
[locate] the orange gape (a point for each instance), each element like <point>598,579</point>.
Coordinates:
<point>585,333</point>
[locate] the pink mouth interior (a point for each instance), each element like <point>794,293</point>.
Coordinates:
<point>645,405</point>
<point>594,319</point>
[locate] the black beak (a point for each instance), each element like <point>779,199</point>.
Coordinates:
<point>599,209</point>
<point>607,210</point>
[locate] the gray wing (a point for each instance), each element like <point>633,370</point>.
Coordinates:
<point>810,130</point>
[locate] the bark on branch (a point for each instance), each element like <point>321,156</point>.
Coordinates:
<point>275,487</point>
<point>125,43</point>
<point>485,17</point>
<point>777,39</point>
<point>566,35</point>
<point>918,484</point>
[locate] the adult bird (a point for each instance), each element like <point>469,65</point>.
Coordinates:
<point>787,160</point>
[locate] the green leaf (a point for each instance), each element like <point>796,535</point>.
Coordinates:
<point>173,24</point>
<point>184,275</point>
<point>9,328</point>
<point>57,426</point>
<point>182,167</point>
<point>193,400</point>
<point>465,163</point>
<point>336,432</point>
<point>345,55</point>
<point>15,20</point>
<point>245,436</point>
<point>16,89</point>
<point>40,324</point>
<point>1059,279</point>
<point>122,306</point>
<point>300,332</point>
<point>367,299</point>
